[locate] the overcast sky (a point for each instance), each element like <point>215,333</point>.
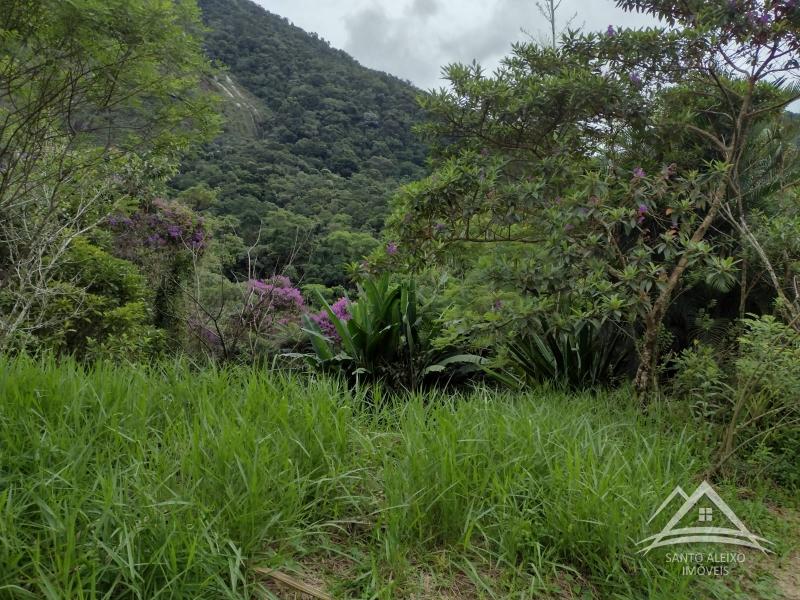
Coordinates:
<point>413,39</point>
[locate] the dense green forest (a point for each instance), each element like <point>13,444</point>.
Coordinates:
<point>314,144</point>
<point>270,320</point>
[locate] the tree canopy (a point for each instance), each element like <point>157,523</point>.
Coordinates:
<point>98,102</point>
<point>600,180</point>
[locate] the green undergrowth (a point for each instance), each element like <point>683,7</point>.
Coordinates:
<point>123,482</point>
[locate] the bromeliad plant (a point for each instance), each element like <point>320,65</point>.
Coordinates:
<point>580,358</point>
<point>385,335</point>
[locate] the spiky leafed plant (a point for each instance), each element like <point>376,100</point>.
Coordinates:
<point>386,337</point>
<point>584,357</point>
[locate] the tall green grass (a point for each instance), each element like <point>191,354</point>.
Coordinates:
<point>117,482</point>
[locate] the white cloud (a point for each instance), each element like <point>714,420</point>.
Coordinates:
<point>413,39</point>
<point>425,8</point>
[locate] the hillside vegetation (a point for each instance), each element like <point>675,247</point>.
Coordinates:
<point>314,144</point>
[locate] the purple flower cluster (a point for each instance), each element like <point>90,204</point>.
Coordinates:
<point>639,173</point>
<point>341,308</point>
<point>391,248</point>
<point>161,225</point>
<point>276,294</point>
<point>267,305</point>
<point>271,302</point>
<point>641,212</point>
<point>119,220</point>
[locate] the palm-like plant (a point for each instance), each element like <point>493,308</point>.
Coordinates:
<point>387,337</point>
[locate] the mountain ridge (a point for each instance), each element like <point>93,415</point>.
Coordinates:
<point>315,144</point>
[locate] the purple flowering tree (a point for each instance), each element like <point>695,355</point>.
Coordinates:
<point>166,240</point>
<point>161,228</point>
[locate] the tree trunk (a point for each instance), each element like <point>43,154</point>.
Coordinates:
<point>790,310</point>
<point>648,358</point>
<point>645,374</point>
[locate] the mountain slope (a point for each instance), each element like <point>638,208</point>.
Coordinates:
<point>314,145</point>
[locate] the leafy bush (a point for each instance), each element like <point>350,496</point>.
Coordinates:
<point>766,411</point>
<point>700,378</point>
<point>752,393</point>
<point>103,308</point>
<point>769,362</point>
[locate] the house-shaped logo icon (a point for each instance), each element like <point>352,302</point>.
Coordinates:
<point>673,534</point>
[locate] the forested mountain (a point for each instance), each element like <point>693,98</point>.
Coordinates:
<point>314,143</point>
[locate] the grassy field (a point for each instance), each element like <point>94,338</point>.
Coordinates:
<point>118,482</point>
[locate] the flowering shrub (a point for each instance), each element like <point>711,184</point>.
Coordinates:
<point>272,302</point>
<point>163,238</point>
<point>752,389</point>
<point>340,308</point>
<point>162,225</point>
<point>253,319</point>
<point>103,308</point>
